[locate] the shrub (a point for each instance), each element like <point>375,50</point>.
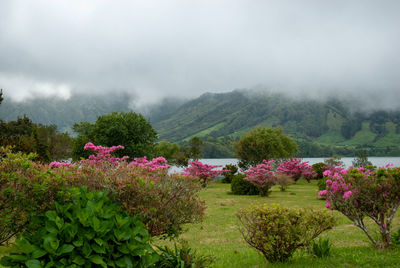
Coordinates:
<point>319,169</point>
<point>278,231</point>
<point>321,248</point>
<point>360,193</point>
<point>202,171</point>
<point>89,231</point>
<point>27,189</point>
<point>296,169</point>
<point>183,257</point>
<point>262,177</point>
<point>284,181</point>
<point>228,176</point>
<point>396,238</point>
<point>240,186</point>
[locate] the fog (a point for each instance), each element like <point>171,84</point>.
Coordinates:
<point>156,49</point>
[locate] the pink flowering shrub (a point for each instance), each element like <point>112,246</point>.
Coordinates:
<point>297,169</point>
<point>360,193</point>
<point>262,176</point>
<point>143,187</point>
<point>156,165</point>
<point>202,171</point>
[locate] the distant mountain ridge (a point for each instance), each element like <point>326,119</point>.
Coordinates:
<point>320,127</point>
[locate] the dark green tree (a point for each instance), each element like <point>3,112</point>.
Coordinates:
<point>190,150</point>
<point>129,129</point>
<point>264,144</point>
<point>361,160</point>
<point>166,149</point>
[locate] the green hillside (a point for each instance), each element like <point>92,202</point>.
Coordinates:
<point>321,128</point>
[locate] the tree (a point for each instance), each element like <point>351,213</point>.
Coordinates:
<point>361,160</point>
<point>189,150</point>
<point>1,95</point>
<point>166,149</point>
<point>130,130</point>
<point>264,144</point>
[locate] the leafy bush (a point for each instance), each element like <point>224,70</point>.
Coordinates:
<point>278,231</point>
<point>321,248</point>
<point>228,176</point>
<point>319,169</point>
<point>89,231</point>
<point>182,257</point>
<point>396,238</point>
<point>27,189</point>
<point>240,186</point>
<point>284,181</point>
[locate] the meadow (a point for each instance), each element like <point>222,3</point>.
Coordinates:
<point>218,234</point>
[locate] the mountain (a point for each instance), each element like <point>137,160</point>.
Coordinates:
<point>321,128</point>
<point>64,113</point>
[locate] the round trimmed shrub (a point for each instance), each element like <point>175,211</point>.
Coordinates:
<point>240,186</point>
<point>277,231</point>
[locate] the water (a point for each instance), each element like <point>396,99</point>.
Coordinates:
<point>377,161</point>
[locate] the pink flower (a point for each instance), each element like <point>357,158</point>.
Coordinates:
<point>322,193</point>
<point>347,195</point>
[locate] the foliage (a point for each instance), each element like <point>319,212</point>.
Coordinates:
<point>277,231</point>
<point>183,257</point>
<point>189,150</point>
<point>262,177</point>
<point>167,149</point>
<point>202,171</point>
<point>264,144</point>
<point>296,169</point>
<point>334,161</point>
<point>164,202</point>
<point>396,238</point>
<point>240,186</point>
<point>27,189</point>
<point>228,176</point>
<point>283,181</point>
<point>89,231</point>
<point>319,169</point>
<point>321,248</point>
<point>361,161</point>
<point>131,130</point>
<point>360,193</point>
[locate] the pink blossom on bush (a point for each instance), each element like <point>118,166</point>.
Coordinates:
<point>59,164</point>
<point>262,176</point>
<point>322,193</point>
<point>103,154</point>
<point>158,164</point>
<point>347,195</point>
<point>296,169</point>
<point>202,171</point>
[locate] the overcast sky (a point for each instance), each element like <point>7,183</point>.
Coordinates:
<point>154,49</point>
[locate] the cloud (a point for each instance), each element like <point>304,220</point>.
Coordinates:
<point>154,49</point>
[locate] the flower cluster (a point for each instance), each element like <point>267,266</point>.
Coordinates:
<point>102,154</point>
<point>158,164</point>
<point>262,176</point>
<point>56,164</point>
<point>297,169</point>
<point>203,171</point>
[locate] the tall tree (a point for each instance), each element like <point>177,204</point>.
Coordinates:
<point>264,144</point>
<point>130,129</point>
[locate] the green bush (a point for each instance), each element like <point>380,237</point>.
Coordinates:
<point>228,176</point>
<point>182,257</point>
<point>27,189</point>
<point>321,183</point>
<point>319,169</point>
<point>90,231</point>
<point>240,186</point>
<point>278,231</point>
<point>396,238</point>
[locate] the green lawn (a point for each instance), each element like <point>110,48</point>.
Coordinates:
<point>218,234</point>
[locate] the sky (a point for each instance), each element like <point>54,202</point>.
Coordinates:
<point>155,49</point>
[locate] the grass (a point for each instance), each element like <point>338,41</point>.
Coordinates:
<point>218,234</point>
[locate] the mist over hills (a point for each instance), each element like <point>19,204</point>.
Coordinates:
<point>321,127</point>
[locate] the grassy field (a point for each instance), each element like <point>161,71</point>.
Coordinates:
<point>218,234</point>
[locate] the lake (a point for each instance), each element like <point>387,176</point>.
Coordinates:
<point>377,161</point>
